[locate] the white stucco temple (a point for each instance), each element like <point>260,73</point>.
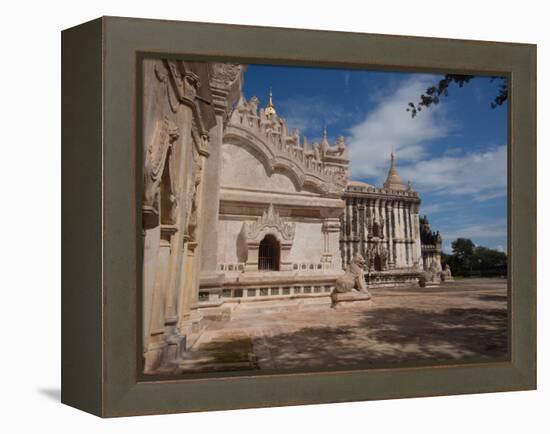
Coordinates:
<point>280,202</point>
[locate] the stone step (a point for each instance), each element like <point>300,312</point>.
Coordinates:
<point>292,305</point>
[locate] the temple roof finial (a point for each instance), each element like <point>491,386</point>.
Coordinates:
<point>324,141</point>
<point>270,108</point>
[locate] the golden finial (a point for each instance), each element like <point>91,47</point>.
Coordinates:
<point>270,108</point>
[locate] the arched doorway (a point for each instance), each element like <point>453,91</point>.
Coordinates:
<point>269,254</point>
<point>378,263</point>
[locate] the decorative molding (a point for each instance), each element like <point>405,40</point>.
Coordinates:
<point>372,192</point>
<point>269,222</point>
<point>331,225</point>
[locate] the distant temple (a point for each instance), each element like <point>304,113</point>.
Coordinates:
<point>382,224</point>
<point>239,208</point>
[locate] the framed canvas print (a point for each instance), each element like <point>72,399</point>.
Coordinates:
<point>260,217</point>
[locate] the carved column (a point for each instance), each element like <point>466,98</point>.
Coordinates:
<point>389,233</point>
<point>355,228</point>
<point>384,223</point>
<point>226,82</point>
<point>343,240</point>
<point>349,234</point>
<point>351,211</point>
<point>161,205</point>
<point>399,235</point>
<point>155,342</point>
<point>362,222</point>
<point>416,235</point>
<point>331,231</point>
<point>410,253</point>
<point>406,232</point>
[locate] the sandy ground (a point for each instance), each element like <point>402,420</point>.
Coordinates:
<point>458,321</point>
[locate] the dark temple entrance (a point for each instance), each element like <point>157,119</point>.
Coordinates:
<point>269,254</point>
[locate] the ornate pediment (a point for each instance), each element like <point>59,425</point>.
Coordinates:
<point>320,165</point>
<point>270,222</point>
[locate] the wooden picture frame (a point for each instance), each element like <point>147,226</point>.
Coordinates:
<point>100,227</point>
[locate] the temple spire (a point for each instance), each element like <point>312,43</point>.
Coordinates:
<point>393,180</point>
<point>270,108</point>
<point>324,141</point>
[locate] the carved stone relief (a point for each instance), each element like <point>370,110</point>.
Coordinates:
<point>158,159</point>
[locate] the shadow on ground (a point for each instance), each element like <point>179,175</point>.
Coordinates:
<point>395,335</point>
<point>51,393</point>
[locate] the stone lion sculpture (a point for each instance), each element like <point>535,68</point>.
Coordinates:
<point>353,278</point>
<point>446,274</point>
<point>431,275</point>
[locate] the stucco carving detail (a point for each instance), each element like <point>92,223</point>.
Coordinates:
<point>225,74</point>
<point>226,80</point>
<point>376,251</point>
<point>158,160</point>
<point>270,220</point>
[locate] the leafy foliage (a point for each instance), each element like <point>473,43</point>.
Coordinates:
<point>433,94</point>
<point>468,259</point>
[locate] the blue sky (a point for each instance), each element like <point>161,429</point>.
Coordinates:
<point>454,154</point>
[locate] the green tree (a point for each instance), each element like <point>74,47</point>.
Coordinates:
<point>433,94</point>
<point>463,254</point>
<point>489,260</point>
<point>468,259</point>
<point>463,248</point>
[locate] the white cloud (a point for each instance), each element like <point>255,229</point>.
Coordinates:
<point>482,174</point>
<point>390,127</point>
<point>492,229</point>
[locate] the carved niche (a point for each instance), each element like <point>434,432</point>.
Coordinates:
<point>270,223</point>
<point>376,256</point>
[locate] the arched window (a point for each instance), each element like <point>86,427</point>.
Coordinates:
<point>269,254</point>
